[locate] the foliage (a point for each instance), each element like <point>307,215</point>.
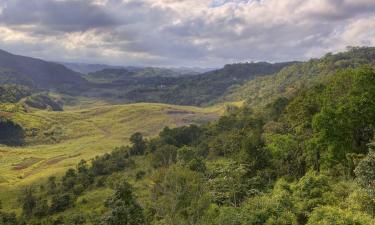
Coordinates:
<point>13,93</point>
<point>124,208</point>
<point>164,156</point>
<point>345,123</point>
<point>310,192</point>
<point>365,173</point>
<point>43,101</point>
<point>109,163</point>
<point>228,184</point>
<point>139,145</point>
<point>332,215</point>
<point>291,79</point>
<point>179,196</point>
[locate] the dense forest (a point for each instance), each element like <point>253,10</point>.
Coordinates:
<point>306,159</point>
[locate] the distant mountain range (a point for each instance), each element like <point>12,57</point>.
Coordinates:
<point>86,68</point>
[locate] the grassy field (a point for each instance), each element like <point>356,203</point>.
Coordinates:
<point>58,140</point>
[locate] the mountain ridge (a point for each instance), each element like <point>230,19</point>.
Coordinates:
<point>44,74</point>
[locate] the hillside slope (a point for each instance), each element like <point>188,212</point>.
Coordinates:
<point>43,74</point>
<point>263,90</point>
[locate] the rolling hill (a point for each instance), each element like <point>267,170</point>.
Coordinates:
<point>66,137</point>
<point>42,74</point>
<point>86,68</point>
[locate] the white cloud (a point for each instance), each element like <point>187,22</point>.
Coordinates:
<point>355,33</point>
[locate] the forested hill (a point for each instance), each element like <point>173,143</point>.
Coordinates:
<point>85,68</point>
<point>290,79</point>
<point>41,73</point>
<point>117,74</point>
<point>140,86</point>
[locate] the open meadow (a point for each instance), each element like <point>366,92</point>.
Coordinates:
<point>59,140</point>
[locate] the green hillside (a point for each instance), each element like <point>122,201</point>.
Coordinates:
<point>288,81</point>
<point>9,76</point>
<point>42,74</point>
<point>61,139</point>
<point>11,93</point>
<point>110,75</point>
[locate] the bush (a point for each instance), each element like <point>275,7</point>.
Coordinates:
<point>140,174</point>
<point>311,191</point>
<point>61,202</point>
<point>276,208</point>
<point>164,156</point>
<point>334,216</point>
<point>365,172</point>
<point>124,209</point>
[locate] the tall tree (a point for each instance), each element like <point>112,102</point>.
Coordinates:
<point>124,209</point>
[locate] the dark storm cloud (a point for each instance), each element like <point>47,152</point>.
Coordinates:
<point>333,10</point>
<point>66,16</point>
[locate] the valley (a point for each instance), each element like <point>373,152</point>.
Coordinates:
<point>232,144</point>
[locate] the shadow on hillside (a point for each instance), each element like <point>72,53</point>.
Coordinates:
<point>11,133</point>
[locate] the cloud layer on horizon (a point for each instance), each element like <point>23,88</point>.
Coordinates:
<point>183,32</point>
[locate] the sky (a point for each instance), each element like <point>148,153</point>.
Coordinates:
<point>204,33</point>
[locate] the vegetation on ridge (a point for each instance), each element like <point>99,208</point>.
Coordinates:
<point>287,82</point>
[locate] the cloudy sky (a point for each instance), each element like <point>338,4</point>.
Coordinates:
<point>183,32</point>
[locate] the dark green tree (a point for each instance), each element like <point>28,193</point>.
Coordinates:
<point>61,202</point>
<point>164,156</point>
<point>28,201</point>
<point>139,144</point>
<point>365,173</point>
<point>124,209</point>
<point>179,196</point>
<point>346,121</point>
